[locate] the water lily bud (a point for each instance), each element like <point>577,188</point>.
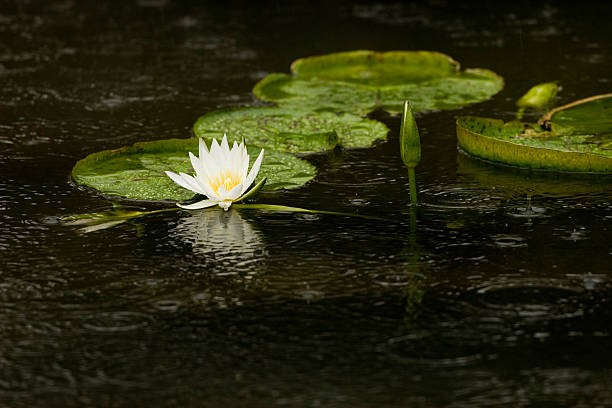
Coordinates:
<point>410,142</point>
<point>539,95</point>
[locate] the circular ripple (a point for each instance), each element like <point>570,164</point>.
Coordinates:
<point>117,322</point>
<point>396,278</point>
<point>527,212</point>
<point>509,241</point>
<point>530,299</point>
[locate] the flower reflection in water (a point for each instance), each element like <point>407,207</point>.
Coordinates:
<point>228,241</point>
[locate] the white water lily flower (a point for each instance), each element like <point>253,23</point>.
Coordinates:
<point>220,174</point>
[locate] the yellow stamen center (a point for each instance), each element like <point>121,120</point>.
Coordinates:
<point>227,179</point>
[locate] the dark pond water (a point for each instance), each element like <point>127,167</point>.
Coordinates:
<point>502,296</point>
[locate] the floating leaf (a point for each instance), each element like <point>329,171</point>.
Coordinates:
<point>106,219</point>
<point>376,69</point>
<point>591,116</point>
<point>519,144</point>
<point>361,81</point>
<point>290,129</point>
<point>316,95</point>
<point>137,172</point>
<point>452,92</point>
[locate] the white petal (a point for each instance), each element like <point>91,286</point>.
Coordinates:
<point>203,160</point>
<point>229,195</point>
<point>224,144</point>
<point>214,148</point>
<point>244,163</point>
<point>193,182</point>
<point>184,182</point>
<point>208,167</point>
<point>236,159</point>
<point>234,193</point>
<point>202,148</point>
<point>198,205</point>
<point>210,162</point>
<point>197,166</point>
<point>225,153</point>
<point>217,157</point>
<point>254,171</point>
<point>244,170</point>
<point>202,177</point>
<point>209,192</point>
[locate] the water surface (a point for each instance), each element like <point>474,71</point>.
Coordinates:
<point>499,297</point>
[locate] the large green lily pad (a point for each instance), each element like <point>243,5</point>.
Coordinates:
<point>137,172</point>
<point>362,81</point>
<point>521,144</point>
<point>290,129</point>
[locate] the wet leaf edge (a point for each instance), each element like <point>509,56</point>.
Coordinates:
<point>363,56</point>
<point>504,152</point>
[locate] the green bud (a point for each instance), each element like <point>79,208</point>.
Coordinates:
<point>539,96</point>
<point>410,142</point>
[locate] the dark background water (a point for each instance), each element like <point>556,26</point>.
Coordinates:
<point>500,297</point>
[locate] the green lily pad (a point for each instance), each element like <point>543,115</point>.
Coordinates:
<point>520,144</point>
<point>361,81</point>
<point>316,95</point>
<point>290,129</point>
<point>137,172</point>
<point>591,116</point>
